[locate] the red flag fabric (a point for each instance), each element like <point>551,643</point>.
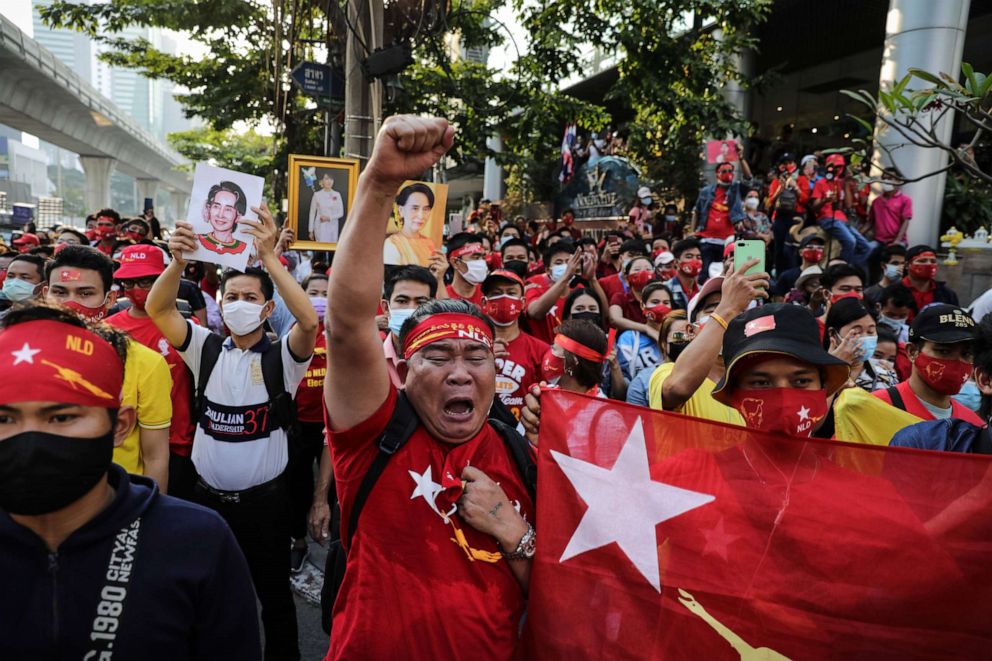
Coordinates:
<point>669,537</point>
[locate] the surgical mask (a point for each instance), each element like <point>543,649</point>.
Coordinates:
<point>895,325</point>
<point>242,317</point>
<point>477,271</point>
<point>558,272</point>
<point>18,290</point>
<point>751,203</point>
<point>893,271</point>
<point>671,219</point>
<point>868,344</point>
<point>970,396</point>
<point>888,188</point>
<point>319,304</point>
<point>502,242</point>
<point>42,473</point>
<point>396,318</point>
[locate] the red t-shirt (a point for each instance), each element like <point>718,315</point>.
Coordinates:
<point>922,298</point>
<point>802,195</point>
<point>612,285</point>
<point>310,395</point>
<point>476,297</point>
<point>410,591</point>
<point>820,192</point>
<point>718,219</point>
<point>630,306</point>
<point>542,329</point>
<point>146,332</point>
<point>519,371</point>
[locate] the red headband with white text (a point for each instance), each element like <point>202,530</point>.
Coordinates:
<point>447,326</point>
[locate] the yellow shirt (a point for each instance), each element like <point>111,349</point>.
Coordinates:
<point>861,417</point>
<point>700,405</point>
<point>401,250</point>
<point>148,388</point>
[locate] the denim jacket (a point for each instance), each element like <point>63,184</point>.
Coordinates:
<point>735,200</point>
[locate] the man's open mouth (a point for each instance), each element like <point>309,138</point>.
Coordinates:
<point>459,408</point>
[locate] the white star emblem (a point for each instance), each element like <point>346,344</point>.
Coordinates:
<point>625,505</point>
<point>428,489</point>
<point>25,354</point>
<point>803,414</point>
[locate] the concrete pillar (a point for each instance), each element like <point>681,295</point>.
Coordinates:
<point>927,35</point>
<point>97,170</point>
<point>492,179</point>
<point>146,188</point>
<point>362,97</point>
<point>179,203</point>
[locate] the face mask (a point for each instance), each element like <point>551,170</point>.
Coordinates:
<point>945,377</point>
<point>788,410</point>
<point>397,317</point>
<point>502,242</point>
<point>593,317</point>
<point>18,290</point>
<point>477,271</point>
<point>970,396</point>
<point>790,168</point>
<point>623,265</point>
<point>751,203</point>
<point>558,272</point>
<point>896,325</point>
<point>105,232</point>
<point>666,273</point>
<point>138,297</point>
<point>725,178</point>
<point>868,344</point>
<point>319,304</point>
<point>675,349</point>
<point>893,271</point>
<point>829,176</point>
<point>888,188</point>
<point>671,219</point>
<point>242,317</point>
<point>42,473</point>
<point>657,313</point>
<point>691,267</point>
<point>812,255</point>
<point>851,294</point>
<point>640,279</point>
<point>552,367</point>
<point>135,236</point>
<point>503,310</point>
<point>94,313</point>
<point>923,271</point>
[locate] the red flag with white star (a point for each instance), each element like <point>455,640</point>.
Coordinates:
<point>669,537</point>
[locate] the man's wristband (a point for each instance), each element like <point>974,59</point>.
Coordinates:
<point>718,319</point>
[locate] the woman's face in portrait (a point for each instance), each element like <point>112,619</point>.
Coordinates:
<point>327,182</point>
<point>415,212</point>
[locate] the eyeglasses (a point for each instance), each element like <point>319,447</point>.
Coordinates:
<point>140,283</point>
<point>138,230</point>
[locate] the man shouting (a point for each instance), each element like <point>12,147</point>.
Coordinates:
<point>439,560</point>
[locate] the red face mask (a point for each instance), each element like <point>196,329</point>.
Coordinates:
<point>138,296</point>
<point>945,377</point>
<point>640,279</point>
<point>666,273</point>
<point>851,294</point>
<point>788,410</point>
<point>91,234</point>
<point>503,310</point>
<point>790,168</point>
<point>691,267</point>
<point>96,314</point>
<point>812,254</point>
<point>105,232</point>
<point>657,313</point>
<point>552,367</point>
<point>923,271</point>
<point>725,177</point>
<point>567,221</point>
<point>136,236</point>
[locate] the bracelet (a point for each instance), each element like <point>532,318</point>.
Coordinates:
<point>718,319</point>
<point>525,548</point>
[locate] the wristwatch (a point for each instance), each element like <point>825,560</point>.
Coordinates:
<point>525,548</point>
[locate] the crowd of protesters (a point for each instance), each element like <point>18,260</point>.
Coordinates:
<point>287,399</point>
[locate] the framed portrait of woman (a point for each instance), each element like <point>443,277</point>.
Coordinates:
<point>416,229</point>
<point>321,192</point>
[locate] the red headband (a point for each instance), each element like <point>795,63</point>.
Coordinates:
<point>467,249</point>
<point>582,351</point>
<point>50,361</point>
<point>928,253</point>
<point>447,326</point>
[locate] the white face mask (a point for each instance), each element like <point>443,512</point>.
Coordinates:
<point>751,203</point>
<point>242,317</point>
<point>893,271</point>
<point>477,271</point>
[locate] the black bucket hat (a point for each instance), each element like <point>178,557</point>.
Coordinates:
<point>778,328</point>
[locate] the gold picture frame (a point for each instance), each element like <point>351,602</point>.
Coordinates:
<point>313,208</point>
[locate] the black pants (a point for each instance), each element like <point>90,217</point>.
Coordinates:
<point>305,447</point>
<point>261,526</point>
<point>182,477</point>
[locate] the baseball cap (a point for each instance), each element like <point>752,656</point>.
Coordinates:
<point>710,286</point>
<point>502,274</point>
<point>807,158</point>
<point>663,258</point>
<point>809,238</point>
<point>27,239</point>
<point>778,328</point>
<point>811,272</point>
<point>140,261</point>
<point>943,323</point>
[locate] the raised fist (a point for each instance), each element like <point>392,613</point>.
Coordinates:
<point>406,146</point>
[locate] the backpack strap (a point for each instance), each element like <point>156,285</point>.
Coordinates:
<point>209,355</point>
<point>895,397</point>
<point>280,401</point>
<point>520,452</point>
<point>398,431</point>
<point>983,442</point>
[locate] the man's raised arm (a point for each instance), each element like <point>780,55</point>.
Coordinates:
<point>357,381</point>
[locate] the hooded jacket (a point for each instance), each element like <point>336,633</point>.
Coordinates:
<point>189,595</point>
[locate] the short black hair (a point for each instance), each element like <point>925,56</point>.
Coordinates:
<point>39,262</point>
<point>410,273</point>
<point>83,257</point>
<point>459,240</point>
<point>443,306</point>
<point>894,249</point>
<point>138,221</point>
<point>566,312</point>
<point>635,246</point>
<point>652,287</point>
<point>109,213</point>
<point>407,191</point>
<point>313,276</point>
<point>834,273</point>
<point>983,359</point>
<point>899,295</point>
<point>565,246</point>
<point>22,313</point>
<point>885,335</point>
<point>586,241</point>
<point>241,203</point>
<point>264,279</point>
<point>511,243</point>
<point>918,250</point>
<point>509,226</point>
<point>83,239</point>
<point>630,263</point>
<point>683,245</point>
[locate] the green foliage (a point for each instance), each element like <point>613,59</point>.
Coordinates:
<point>244,151</point>
<point>967,204</point>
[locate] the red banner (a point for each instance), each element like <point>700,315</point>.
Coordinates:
<point>668,537</point>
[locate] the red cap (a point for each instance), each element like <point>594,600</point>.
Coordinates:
<point>506,275</point>
<point>140,261</point>
<point>27,239</point>
<point>729,249</point>
<point>835,159</point>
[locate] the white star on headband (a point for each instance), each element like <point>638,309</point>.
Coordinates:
<point>25,354</point>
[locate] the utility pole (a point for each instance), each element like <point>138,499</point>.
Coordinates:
<point>362,97</point>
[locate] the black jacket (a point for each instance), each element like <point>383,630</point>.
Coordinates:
<point>189,596</point>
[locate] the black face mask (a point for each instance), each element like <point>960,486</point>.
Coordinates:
<point>594,317</point>
<point>42,473</point>
<point>676,348</point>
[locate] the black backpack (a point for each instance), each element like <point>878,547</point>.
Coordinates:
<point>787,200</point>
<point>398,431</point>
<point>281,405</point>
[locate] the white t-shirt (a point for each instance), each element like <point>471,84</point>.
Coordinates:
<point>242,446</point>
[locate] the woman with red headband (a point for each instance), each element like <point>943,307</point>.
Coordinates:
<point>575,361</point>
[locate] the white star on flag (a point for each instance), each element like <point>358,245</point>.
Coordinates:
<point>625,505</point>
<point>25,354</point>
<point>427,488</point>
<point>803,414</point>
